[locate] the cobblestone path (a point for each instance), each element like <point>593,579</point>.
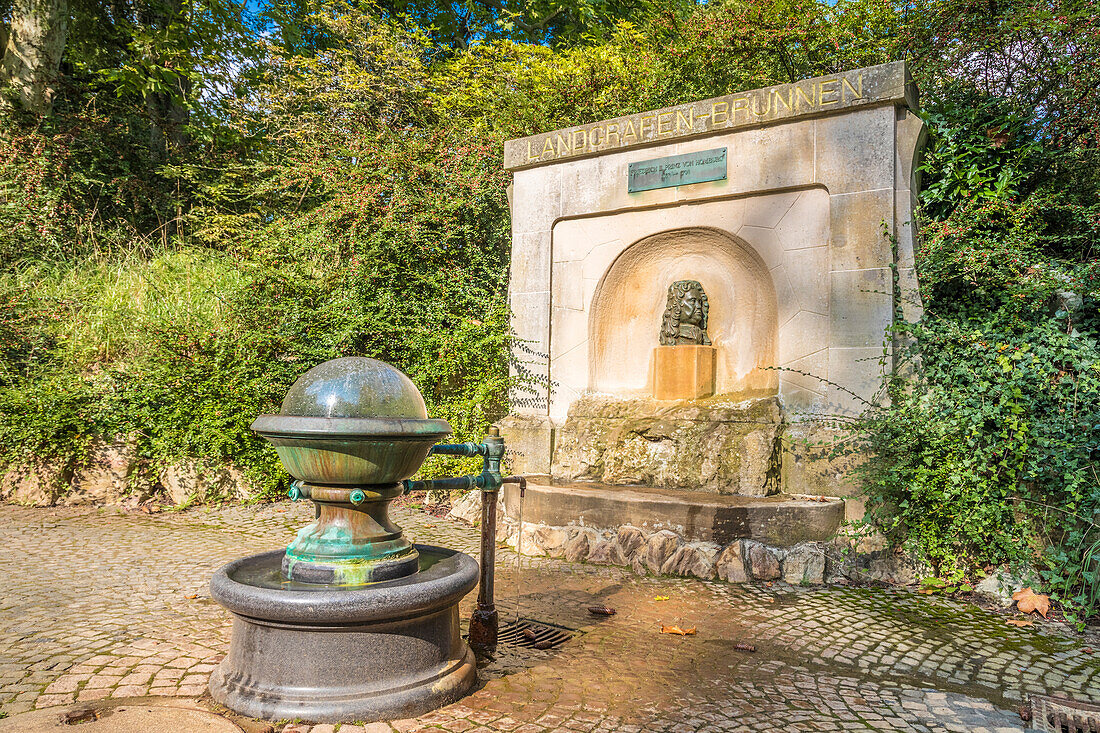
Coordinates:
<point>102,603</point>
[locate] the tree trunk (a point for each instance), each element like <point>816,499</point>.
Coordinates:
<point>32,54</point>
<point>168,112</point>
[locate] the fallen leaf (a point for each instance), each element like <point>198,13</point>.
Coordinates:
<point>601,610</point>
<point>928,591</point>
<point>661,598</point>
<point>1087,650</point>
<point>1030,602</point>
<point>193,595</point>
<point>677,630</point>
<point>1018,622</point>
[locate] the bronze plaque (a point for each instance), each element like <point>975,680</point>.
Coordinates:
<point>677,170</point>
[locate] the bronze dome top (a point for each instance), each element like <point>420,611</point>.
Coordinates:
<point>353,398</point>
<point>354,386</point>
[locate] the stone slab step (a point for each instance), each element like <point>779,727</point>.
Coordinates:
<point>781,520</point>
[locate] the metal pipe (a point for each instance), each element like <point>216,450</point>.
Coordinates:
<point>458,449</point>
<point>484,623</point>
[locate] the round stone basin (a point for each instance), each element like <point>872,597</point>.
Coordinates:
<point>321,652</point>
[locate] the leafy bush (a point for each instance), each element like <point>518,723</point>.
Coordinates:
<point>988,455</point>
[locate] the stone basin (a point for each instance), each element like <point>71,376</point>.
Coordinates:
<point>352,622</point>
<point>388,650</point>
<point>779,520</point>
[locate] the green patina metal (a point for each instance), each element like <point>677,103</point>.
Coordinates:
<point>490,479</point>
<point>351,433</point>
<point>677,170</point>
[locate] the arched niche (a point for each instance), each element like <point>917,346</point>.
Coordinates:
<point>626,311</point>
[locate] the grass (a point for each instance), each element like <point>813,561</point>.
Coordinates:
<point>103,310</point>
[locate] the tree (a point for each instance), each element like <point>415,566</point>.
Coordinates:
<point>36,36</point>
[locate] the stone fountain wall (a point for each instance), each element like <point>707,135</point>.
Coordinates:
<point>804,249</point>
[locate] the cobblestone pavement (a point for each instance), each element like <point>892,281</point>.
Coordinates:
<point>102,603</point>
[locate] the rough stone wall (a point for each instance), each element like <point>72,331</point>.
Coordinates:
<point>112,473</point>
<point>665,552</point>
<point>713,445</point>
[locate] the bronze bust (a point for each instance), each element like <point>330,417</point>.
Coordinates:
<point>685,320</point>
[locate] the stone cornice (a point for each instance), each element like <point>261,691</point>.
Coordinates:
<point>826,95</point>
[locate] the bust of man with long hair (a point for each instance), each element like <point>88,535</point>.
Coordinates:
<point>685,319</point>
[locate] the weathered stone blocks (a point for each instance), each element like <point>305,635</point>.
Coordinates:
<point>190,481</point>
<point>578,547</point>
<point>804,565</point>
<point>710,445</point>
<point>664,551</point>
<point>607,552</point>
<point>695,559</point>
<point>38,483</point>
<point>730,564</point>
<point>763,561</point>
<point>104,477</point>
<point>660,547</point>
<point>630,540</point>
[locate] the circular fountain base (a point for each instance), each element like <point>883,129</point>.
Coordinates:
<point>329,654</point>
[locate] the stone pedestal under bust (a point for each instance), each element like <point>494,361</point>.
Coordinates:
<point>683,372</point>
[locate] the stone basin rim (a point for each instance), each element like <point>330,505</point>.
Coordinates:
<point>320,428</point>
<point>440,586</point>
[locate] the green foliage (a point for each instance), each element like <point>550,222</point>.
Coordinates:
<point>378,236</point>
<point>947,586</point>
<point>976,156</point>
<point>987,455</point>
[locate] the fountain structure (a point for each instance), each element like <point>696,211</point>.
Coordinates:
<point>352,621</point>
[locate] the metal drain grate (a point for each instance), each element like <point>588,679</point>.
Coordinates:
<point>1062,715</point>
<point>532,635</point>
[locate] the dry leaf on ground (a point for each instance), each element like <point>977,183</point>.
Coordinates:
<point>677,630</point>
<point>661,598</point>
<point>1018,622</point>
<point>1030,602</point>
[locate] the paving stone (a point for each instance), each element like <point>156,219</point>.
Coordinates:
<point>828,658</point>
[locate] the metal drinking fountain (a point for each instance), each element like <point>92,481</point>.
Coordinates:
<point>352,621</point>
